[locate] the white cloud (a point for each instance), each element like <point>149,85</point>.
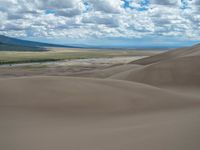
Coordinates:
<point>100,18</point>
<point>107,6</point>
<point>97,18</point>
<point>135,3</point>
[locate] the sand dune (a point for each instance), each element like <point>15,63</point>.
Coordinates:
<point>174,68</point>
<point>47,113</point>
<point>107,72</point>
<point>178,72</point>
<point>171,54</point>
<point>151,104</point>
<point>26,129</point>
<point>79,95</point>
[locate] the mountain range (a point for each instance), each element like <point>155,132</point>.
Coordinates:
<point>14,44</point>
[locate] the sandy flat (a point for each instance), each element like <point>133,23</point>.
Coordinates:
<point>92,67</point>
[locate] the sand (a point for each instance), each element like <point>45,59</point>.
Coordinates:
<point>74,67</point>
<point>154,106</point>
<point>182,71</point>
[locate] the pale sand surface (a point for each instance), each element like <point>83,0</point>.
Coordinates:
<point>83,62</point>
<point>47,113</point>
<point>180,71</point>
<point>26,129</point>
<point>98,67</point>
<point>150,104</point>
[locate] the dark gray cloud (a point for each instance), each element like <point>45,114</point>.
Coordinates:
<point>165,2</point>
<point>104,20</point>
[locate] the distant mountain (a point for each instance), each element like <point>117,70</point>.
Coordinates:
<point>13,44</point>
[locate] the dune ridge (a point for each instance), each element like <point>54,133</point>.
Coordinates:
<point>88,95</point>
<point>169,55</point>
<point>139,106</point>
<point>175,68</point>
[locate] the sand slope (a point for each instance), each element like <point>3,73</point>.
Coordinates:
<point>78,95</point>
<point>151,104</point>
<point>171,54</point>
<point>107,72</point>
<point>48,113</point>
<point>174,68</point>
<point>178,72</point>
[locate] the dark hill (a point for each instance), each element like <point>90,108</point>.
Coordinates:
<point>13,44</point>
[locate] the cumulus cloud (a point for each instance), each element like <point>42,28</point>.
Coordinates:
<point>107,6</point>
<point>100,18</point>
<point>165,2</point>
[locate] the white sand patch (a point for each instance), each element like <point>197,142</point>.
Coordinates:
<point>85,62</point>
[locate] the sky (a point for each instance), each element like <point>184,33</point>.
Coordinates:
<point>111,23</point>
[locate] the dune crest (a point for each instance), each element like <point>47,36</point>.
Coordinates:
<point>80,95</point>
<point>175,68</point>
<point>138,106</point>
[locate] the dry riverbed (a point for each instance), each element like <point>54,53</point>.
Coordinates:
<point>65,67</point>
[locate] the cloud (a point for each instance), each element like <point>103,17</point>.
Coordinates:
<point>107,6</point>
<point>100,18</point>
<point>165,2</point>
